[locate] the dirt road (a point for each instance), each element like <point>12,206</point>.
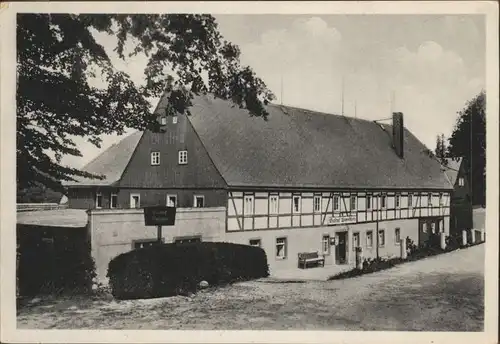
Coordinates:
<point>441,293</point>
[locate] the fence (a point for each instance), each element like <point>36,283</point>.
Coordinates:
<point>40,206</point>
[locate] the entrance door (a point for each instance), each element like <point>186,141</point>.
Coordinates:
<point>341,248</point>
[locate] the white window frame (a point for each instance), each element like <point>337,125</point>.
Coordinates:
<point>336,203</point>
<point>277,202</point>
<point>138,204</point>
<point>318,198</point>
<point>97,195</point>
<point>163,120</point>
<point>195,197</point>
<point>255,239</point>
<point>174,119</point>
<point>168,199</point>
<point>410,200</point>
<point>397,201</point>
<point>249,200</point>
<point>383,201</point>
<point>111,206</point>
<point>183,157</point>
<point>294,197</point>
<point>397,240</point>
<point>368,202</point>
<point>285,248</point>
<point>325,244</point>
<point>351,198</point>
<point>369,234</point>
<point>155,158</point>
<point>380,243</point>
<point>358,235</point>
<point>461,181</point>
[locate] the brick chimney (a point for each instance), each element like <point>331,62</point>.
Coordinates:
<point>398,133</point>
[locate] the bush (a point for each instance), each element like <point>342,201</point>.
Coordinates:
<point>369,266</point>
<point>172,269</point>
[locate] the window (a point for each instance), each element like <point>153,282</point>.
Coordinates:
<point>187,240</point>
<point>461,181</point>
<point>171,200</point>
<point>113,200</point>
<point>155,158</point>
<point>273,204</point>
<point>369,239</point>
<point>98,200</point>
<point>255,242</point>
<point>183,157</point>
<point>355,240</point>
<point>135,201</point>
<point>325,244</point>
<point>145,243</point>
<point>410,200</point>
<point>281,248</point>
<point>174,119</point>
<point>429,200</point>
<point>249,201</point>
<point>317,204</point>
<point>296,204</point>
<point>433,227</point>
<point>441,203</point>
<point>353,203</point>
<point>424,227</point>
<point>336,203</point>
<point>381,238</point>
<point>368,202</point>
<point>199,201</point>
<point>397,236</point>
<point>163,120</point>
<point>383,201</point>
<point>398,201</point>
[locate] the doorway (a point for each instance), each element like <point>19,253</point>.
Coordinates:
<point>341,248</point>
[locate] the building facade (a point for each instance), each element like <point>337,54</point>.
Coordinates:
<point>300,181</point>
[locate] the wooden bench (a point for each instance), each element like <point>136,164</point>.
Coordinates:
<point>310,257</point>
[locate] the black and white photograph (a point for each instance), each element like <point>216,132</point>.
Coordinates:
<point>317,168</point>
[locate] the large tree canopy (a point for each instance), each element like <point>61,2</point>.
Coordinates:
<point>468,140</point>
<point>58,56</point>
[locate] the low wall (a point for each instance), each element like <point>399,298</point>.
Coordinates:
<point>40,206</point>
<point>114,231</point>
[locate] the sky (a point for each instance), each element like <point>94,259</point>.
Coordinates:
<point>426,66</point>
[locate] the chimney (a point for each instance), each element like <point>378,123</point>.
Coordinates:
<point>398,133</point>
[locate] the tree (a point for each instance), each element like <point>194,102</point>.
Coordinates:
<point>468,141</point>
<point>440,150</point>
<point>58,56</point>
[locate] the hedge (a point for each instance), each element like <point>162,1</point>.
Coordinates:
<point>172,269</point>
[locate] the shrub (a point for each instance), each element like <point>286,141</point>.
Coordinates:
<point>369,266</point>
<point>171,269</point>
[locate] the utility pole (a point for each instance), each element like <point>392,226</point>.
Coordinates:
<point>342,101</point>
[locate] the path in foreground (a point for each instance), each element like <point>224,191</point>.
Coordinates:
<point>442,293</point>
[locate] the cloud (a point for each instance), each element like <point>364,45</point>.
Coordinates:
<point>430,83</point>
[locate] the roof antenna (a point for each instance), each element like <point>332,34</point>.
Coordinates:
<point>342,103</point>
<point>281,89</point>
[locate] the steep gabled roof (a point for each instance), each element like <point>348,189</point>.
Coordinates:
<point>111,163</point>
<point>301,148</point>
<point>452,168</point>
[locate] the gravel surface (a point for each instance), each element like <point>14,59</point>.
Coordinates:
<point>441,293</point>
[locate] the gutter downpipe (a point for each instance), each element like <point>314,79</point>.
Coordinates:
<point>376,231</point>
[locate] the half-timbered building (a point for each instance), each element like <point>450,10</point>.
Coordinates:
<point>299,181</point>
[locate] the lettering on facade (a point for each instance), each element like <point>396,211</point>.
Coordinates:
<point>338,220</point>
